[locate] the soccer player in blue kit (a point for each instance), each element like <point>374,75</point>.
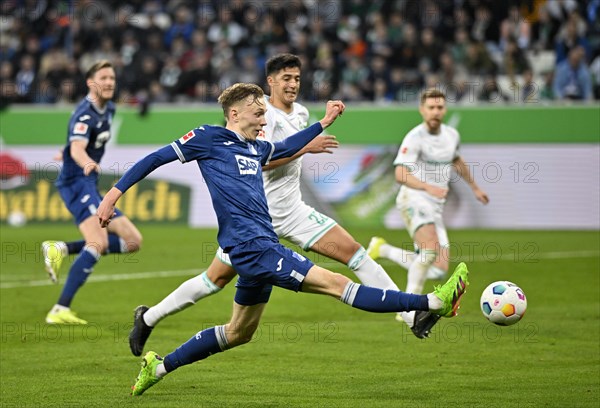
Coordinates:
<point>87,135</point>
<point>230,160</point>
<point>291,217</point>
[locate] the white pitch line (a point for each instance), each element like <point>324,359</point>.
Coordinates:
<point>187,272</point>
<point>106,278</point>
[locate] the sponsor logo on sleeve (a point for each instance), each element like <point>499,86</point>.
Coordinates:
<point>247,165</point>
<point>404,150</point>
<point>80,128</point>
<point>185,138</point>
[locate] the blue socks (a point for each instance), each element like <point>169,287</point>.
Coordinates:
<point>382,301</point>
<point>115,245</point>
<point>78,274</point>
<point>202,345</point>
<point>75,247</point>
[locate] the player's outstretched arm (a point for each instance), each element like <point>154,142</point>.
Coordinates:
<point>293,144</point>
<point>139,171</point>
<point>320,144</point>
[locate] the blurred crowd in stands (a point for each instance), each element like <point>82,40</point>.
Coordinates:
<point>382,51</point>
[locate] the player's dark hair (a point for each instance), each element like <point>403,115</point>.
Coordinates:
<point>432,93</point>
<point>280,61</point>
<point>97,67</point>
<point>238,92</point>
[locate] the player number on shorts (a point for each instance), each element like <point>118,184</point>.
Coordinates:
<point>317,217</point>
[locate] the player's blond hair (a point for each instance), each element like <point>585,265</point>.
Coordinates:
<point>97,67</point>
<point>432,93</point>
<point>237,93</point>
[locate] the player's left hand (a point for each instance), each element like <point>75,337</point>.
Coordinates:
<point>481,196</point>
<point>332,111</point>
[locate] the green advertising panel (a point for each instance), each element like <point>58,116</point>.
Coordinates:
<point>359,125</point>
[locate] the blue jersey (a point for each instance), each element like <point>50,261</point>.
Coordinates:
<point>234,178</point>
<point>89,124</point>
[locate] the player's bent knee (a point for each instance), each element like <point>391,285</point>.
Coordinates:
<point>134,241</point>
<point>135,244</point>
<point>99,246</point>
<point>238,335</point>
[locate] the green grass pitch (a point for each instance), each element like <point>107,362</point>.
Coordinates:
<point>309,350</point>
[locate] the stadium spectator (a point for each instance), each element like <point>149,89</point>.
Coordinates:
<point>570,36</point>
<point>572,79</point>
<point>543,31</point>
<point>514,60</point>
<point>595,72</point>
<point>529,90</point>
<point>396,30</point>
<point>25,79</point>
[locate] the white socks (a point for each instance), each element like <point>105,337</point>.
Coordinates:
<point>405,259</point>
<point>416,278</point>
<point>187,294</point>
<point>369,272</point>
<point>435,303</point>
<point>401,256</point>
<point>160,370</point>
<point>58,308</point>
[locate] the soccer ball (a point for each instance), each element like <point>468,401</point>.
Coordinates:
<point>503,303</point>
<point>16,219</point>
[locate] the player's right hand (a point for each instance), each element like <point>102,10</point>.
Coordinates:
<point>322,144</point>
<point>106,209</point>
<point>435,191</point>
<point>90,167</point>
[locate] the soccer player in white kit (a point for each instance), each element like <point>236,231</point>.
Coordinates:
<point>423,168</point>
<point>291,217</point>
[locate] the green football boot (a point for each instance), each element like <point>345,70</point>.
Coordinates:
<point>147,376</point>
<point>451,292</point>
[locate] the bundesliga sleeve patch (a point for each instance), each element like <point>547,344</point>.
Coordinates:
<point>185,138</point>
<point>80,128</point>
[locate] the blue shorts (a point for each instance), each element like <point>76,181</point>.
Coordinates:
<point>262,264</point>
<point>82,199</point>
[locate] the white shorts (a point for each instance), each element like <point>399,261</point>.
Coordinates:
<point>303,227</point>
<point>419,209</point>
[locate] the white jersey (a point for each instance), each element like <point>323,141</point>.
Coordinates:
<point>429,157</point>
<point>282,184</point>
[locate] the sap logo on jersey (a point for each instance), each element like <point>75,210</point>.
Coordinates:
<point>246,165</point>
